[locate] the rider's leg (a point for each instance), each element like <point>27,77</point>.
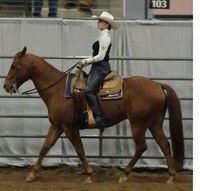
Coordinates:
<point>93,86</point>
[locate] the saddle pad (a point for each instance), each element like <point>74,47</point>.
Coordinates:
<point>113,96</point>
<point>67,92</point>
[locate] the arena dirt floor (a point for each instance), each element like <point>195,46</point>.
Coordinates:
<point>68,178</point>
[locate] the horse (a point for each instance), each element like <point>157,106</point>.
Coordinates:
<point>144,104</point>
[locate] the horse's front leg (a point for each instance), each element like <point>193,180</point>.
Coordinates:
<point>74,136</point>
<point>50,140</point>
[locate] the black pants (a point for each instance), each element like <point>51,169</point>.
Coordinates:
<point>94,84</point>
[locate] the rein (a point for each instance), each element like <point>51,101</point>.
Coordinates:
<point>34,90</point>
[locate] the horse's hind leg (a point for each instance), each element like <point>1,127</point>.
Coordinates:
<point>163,143</point>
<point>50,140</point>
<point>138,133</point>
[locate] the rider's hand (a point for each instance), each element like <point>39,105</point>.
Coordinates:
<point>80,65</point>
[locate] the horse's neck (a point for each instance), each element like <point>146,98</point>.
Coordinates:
<point>43,75</point>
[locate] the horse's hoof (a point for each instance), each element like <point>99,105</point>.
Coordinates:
<point>88,180</point>
<point>170,180</point>
<point>123,179</point>
<point>30,178</point>
<point>90,171</point>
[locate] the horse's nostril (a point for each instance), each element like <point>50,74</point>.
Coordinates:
<point>4,86</point>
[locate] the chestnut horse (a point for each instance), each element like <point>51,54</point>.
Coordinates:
<point>144,103</point>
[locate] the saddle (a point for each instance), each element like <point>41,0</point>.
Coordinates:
<point>111,89</point>
<point>75,84</point>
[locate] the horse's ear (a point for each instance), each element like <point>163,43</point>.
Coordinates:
<point>23,52</point>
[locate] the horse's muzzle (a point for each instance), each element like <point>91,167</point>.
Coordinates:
<point>10,88</point>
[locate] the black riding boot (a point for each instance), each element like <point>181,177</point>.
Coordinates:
<point>91,90</point>
<point>96,109</point>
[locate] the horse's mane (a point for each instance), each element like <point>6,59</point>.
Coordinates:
<point>41,61</point>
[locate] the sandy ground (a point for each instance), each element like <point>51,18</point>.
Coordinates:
<point>68,178</point>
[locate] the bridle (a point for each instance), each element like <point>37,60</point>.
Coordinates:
<point>34,90</point>
<point>13,87</point>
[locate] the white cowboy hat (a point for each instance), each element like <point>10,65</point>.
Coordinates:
<point>108,18</point>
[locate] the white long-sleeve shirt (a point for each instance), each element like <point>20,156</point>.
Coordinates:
<point>104,39</point>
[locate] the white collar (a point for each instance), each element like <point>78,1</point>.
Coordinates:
<point>104,31</point>
<point>101,33</point>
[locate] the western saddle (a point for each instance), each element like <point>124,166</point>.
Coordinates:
<point>112,83</point>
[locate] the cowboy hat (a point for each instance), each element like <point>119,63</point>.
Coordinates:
<point>109,19</point>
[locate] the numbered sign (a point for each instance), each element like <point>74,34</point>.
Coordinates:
<point>159,4</point>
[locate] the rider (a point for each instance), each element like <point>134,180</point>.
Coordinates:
<point>100,66</point>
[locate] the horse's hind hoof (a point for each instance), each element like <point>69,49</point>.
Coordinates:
<point>30,178</point>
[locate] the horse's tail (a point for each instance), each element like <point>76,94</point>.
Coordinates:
<point>176,127</point>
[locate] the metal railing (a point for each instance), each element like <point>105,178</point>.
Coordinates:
<point>100,137</point>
